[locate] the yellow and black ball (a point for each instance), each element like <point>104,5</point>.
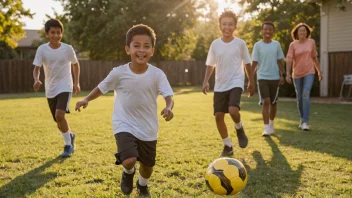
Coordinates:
<point>226,176</point>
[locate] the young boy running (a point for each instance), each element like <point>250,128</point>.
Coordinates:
<point>135,122</point>
<point>56,58</point>
<point>268,56</point>
<point>227,56</point>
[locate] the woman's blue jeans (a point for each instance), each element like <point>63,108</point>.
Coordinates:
<point>303,87</point>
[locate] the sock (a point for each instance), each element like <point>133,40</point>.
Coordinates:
<point>271,122</point>
<point>67,138</point>
<point>142,181</point>
<point>238,125</point>
<point>266,126</point>
<point>227,141</point>
<point>128,171</point>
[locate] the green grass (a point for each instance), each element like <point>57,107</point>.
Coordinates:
<point>292,163</point>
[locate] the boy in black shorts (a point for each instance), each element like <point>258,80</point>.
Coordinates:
<point>57,57</point>
<point>268,58</point>
<point>135,120</point>
<point>227,56</point>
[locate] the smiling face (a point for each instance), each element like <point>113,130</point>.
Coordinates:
<point>302,32</point>
<point>55,35</point>
<point>227,26</point>
<point>267,31</point>
<point>140,49</point>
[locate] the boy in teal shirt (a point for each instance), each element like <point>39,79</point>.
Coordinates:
<point>267,57</point>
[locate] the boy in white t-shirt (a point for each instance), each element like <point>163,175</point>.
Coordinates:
<point>135,122</point>
<point>227,55</point>
<point>56,58</point>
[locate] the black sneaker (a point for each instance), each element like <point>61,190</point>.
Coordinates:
<point>127,182</point>
<point>143,191</point>
<point>67,151</point>
<point>227,151</point>
<point>242,138</point>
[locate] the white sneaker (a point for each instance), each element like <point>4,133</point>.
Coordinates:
<point>300,125</point>
<point>305,126</point>
<point>267,133</point>
<point>271,128</point>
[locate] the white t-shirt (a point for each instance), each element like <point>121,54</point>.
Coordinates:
<point>228,59</point>
<point>135,107</point>
<point>57,67</point>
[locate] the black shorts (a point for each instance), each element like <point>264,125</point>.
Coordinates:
<point>129,146</point>
<point>268,89</point>
<point>59,102</point>
<point>226,99</point>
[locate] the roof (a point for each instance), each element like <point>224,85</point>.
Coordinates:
<point>30,36</point>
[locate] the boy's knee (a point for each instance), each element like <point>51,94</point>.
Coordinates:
<point>266,102</point>
<point>59,117</point>
<point>234,111</point>
<point>129,163</point>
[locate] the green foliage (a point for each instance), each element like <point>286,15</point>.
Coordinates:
<point>100,25</point>
<point>10,21</point>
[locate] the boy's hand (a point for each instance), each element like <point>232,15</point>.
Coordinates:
<point>205,88</point>
<point>167,114</point>
<point>250,89</point>
<point>36,85</point>
<point>282,80</point>
<point>83,103</point>
<point>288,79</point>
<point>76,88</point>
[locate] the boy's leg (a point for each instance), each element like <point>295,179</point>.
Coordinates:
<point>274,86</point>
<point>59,107</point>
<point>221,100</point>
<point>147,155</point>
<point>264,95</point>
<point>234,111</point>
<point>127,156</point>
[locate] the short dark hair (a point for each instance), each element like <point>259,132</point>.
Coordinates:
<point>228,13</point>
<point>268,23</point>
<point>140,29</point>
<point>294,32</point>
<point>53,23</point>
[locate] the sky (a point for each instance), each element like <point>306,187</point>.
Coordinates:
<point>42,7</point>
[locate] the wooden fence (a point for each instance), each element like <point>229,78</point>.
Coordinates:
<point>16,75</point>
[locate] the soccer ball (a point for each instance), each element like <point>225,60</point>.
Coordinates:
<point>226,176</point>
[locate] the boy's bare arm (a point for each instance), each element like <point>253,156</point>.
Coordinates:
<point>95,93</point>
<point>36,74</point>
<point>280,64</point>
<point>76,74</point>
<point>254,66</point>
<point>208,73</point>
<point>167,111</point>
<point>250,76</point>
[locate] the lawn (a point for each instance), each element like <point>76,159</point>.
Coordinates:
<point>292,163</point>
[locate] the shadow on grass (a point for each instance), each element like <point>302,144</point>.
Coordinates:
<point>274,178</point>
<point>26,184</point>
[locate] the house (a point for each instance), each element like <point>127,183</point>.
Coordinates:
<point>335,45</point>
<point>25,47</point>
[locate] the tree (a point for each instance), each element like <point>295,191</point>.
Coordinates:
<point>10,25</point>
<point>99,26</point>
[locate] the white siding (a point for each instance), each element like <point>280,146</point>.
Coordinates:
<point>339,27</point>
